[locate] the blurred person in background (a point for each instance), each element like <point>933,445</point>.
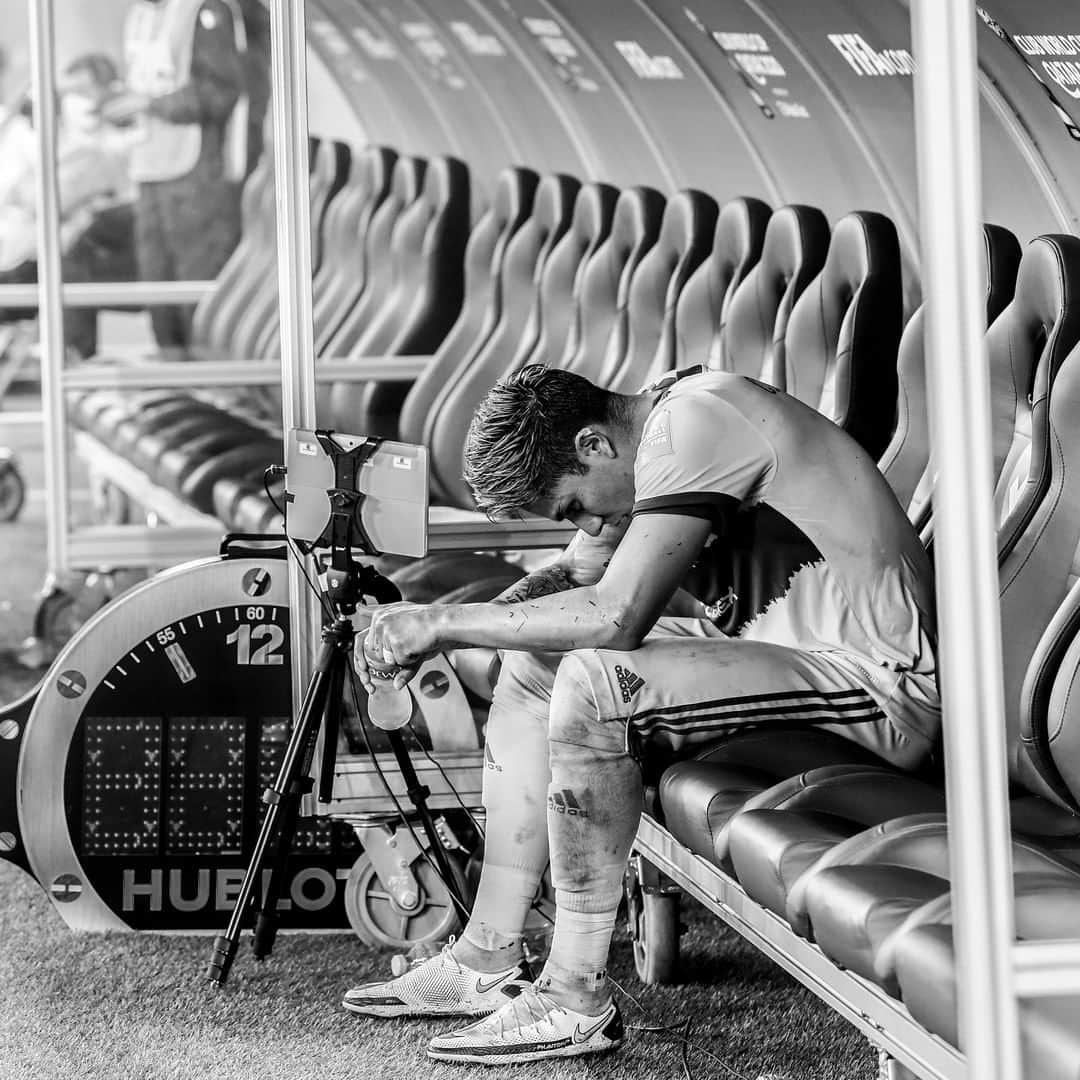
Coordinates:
<point>187,101</point>
<point>96,230</point>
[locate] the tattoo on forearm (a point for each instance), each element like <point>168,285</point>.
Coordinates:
<point>551,579</point>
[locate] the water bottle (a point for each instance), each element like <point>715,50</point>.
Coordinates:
<point>388,708</point>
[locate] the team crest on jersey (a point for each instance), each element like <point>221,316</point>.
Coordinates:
<point>656,438</point>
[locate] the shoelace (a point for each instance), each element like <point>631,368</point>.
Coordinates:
<point>537,1006</point>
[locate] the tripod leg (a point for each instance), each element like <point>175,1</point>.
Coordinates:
<point>418,794</point>
<point>277,798</point>
<point>325,703</point>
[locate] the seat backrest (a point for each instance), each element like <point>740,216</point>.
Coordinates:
<point>428,252</point>
<point>792,255</point>
<point>406,184</point>
<point>685,240</point>
<point>329,174</point>
<point>552,313</point>
<point>599,328</point>
<point>904,462</point>
<point>428,237</point>
<point>256,247</point>
<point>256,329</point>
<point>522,269</point>
<point>703,304</point>
<point>1040,566</point>
<point>514,190</point>
<point>842,337</point>
<point>344,260</point>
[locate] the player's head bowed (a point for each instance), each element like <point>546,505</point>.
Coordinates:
<point>525,436</point>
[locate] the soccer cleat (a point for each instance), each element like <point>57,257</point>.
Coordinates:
<point>530,1027</point>
<point>438,986</point>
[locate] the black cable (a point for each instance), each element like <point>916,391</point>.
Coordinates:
<point>463,910</point>
<point>679,1032</point>
<point>449,783</point>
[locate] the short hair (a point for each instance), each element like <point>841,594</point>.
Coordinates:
<point>521,440</point>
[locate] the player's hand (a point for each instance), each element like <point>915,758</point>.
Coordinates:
<point>124,108</point>
<point>401,635</point>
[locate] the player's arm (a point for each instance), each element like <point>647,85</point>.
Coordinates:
<point>582,562</point>
<point>617,612</point>
<point>216,78</point>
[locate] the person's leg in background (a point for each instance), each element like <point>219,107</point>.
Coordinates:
<point>105,252</point>
<point>201,226</point>
<point>153,256</point>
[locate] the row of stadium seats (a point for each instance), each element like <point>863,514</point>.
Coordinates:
<point>620,286</point>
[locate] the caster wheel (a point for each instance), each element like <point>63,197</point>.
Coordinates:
<point>12,489</point>
<point>653,918</point>
<point>56,619</point>
<point>111,505</point>
<point>378,919</point>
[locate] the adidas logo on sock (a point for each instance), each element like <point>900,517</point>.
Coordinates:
<point>629,682</point>
<point>563,802</point>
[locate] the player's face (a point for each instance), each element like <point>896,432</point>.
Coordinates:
<point>603,495</point>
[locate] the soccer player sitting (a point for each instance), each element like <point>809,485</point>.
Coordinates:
<point>593,674</point>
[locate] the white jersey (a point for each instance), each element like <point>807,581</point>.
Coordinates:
<point>715,442</point>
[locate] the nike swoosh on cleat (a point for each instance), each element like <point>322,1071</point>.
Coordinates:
<point>580,1036</point>
<point>483,988</point>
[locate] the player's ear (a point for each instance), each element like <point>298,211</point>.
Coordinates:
<point>592,442</point>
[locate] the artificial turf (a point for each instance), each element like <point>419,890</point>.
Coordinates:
<point>135,1007</point>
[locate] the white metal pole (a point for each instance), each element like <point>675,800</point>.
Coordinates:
<point>288,54</point>
<point>950,200</point>
<point>50,284</point>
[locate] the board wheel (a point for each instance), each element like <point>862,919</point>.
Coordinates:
<point>653,919</point>
<point>379,920</point>
<point>12,490</point>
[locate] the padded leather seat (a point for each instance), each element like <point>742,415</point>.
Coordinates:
<point>548,326</point>
<point>792,255</point>
<point>427,251</point>
<point>700,796</point>
<point>523,266</point>
<point>702,310</point>
<point>484,254</point>
<point>843,334</point>
<point>685,239</point>
<point>866,894</point>
<point>600,328</point>
<point>1049,1026</point>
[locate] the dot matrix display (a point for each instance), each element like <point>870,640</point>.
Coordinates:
<point>205,786</point>
<point>122,787</point>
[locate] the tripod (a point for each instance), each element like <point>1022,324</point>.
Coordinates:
<point>347,583</point>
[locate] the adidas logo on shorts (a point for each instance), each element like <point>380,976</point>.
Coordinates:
<point>563,802</point>
<point>629,682</point>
